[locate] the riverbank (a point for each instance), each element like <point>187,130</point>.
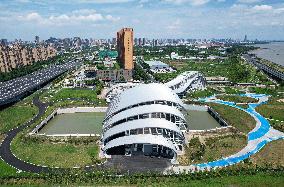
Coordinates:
<point>273,52</point>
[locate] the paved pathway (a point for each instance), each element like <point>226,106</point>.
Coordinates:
<point>5,148</point>
<point>262,134</point>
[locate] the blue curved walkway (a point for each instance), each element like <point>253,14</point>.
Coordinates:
<point>262,134</point>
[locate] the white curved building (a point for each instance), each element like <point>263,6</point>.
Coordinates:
<point>186,82</point>
<point>147,119</point>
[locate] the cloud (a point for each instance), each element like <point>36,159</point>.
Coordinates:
<point>175,25</point>
<point>105,1</point>
<point>111,18</point>
<point>76,17</point>
<point>246,9</point>
<point>262,7</point>
<point>192,2</point>
<point>249,1</point>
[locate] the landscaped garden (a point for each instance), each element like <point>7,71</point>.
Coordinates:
<point>66,153</point>
<point>237,98</point>
<point>68,97</point>
<point>234,68</point>
<point>271,154</point>
<point>274,110</point>
<point>235,117</point>
<point>202,93</point>
<point>211,148</point>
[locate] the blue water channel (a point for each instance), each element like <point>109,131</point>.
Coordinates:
<point>253,135</point>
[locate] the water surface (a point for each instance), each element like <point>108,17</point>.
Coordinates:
<point>76,123</point>
<point>273,52</point>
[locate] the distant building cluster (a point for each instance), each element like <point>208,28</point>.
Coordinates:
<point>109,75</point>
<point>18,55</point>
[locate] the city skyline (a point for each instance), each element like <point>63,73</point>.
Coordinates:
<point>261,19</point>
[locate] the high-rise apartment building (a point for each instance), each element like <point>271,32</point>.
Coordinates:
<point>125,47</point>
<point>16,55</point>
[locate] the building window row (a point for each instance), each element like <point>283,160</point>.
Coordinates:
<point>161,102</point>
<point>181,123</point>
<point>175,137</point>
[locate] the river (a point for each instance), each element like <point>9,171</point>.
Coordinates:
<point>273,52</point>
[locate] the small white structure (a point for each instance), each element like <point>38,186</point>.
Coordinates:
<point>157,65</point>
<point>175,55</point>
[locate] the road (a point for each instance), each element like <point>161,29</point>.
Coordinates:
<point>5,148</point>
<point>15,89</point>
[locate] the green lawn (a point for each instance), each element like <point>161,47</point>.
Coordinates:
<point>274,109</point>
<point>237,99</point>
<point>165,77</point>
<point>52,154</point>
<point>203,93</point>
<point>235,117</point>
<point>65,93</point>
<point>9,171</point>
<point>55,154</point>
<point>79,97</point>
<point>14,116</point>
<point>232,90</point>
<point>6,170</point>
<point>269,91</point>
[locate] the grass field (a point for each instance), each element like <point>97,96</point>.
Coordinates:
<point>68,97</point>
<point>235,117</point>
<point>64,155</point>
<point>65,93</point>
<point>274,109</point>
<point>6,170</point>
<point>272,154</point>
<point>202,93</point>
<point>212,148</point>
<point>14,116</point>
<point>237,99</point>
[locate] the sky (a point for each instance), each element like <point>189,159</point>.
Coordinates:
<point>24,19</point>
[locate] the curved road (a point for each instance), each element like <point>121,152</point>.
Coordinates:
<point>5,148</point>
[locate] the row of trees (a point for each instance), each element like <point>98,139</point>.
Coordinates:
<point>111,177</point>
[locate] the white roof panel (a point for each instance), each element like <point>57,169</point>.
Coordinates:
<point>180,78</point>
<point>141,139</point>
<point>142,93</point>
<point>143,110</point>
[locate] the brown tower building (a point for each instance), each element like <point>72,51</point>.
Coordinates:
<point>125,48</point>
